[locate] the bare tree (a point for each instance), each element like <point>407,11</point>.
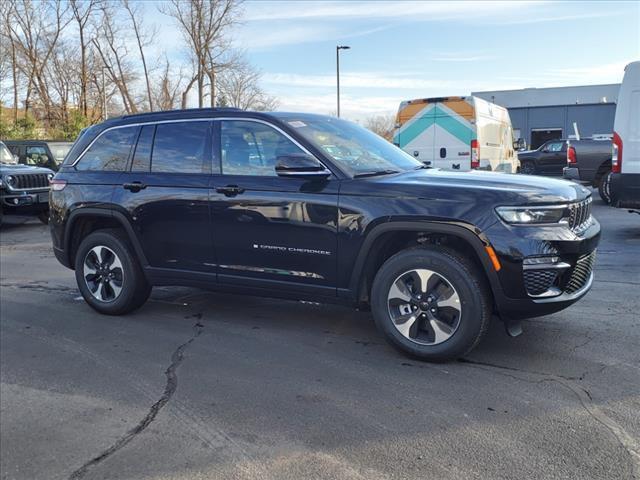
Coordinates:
<point>83,11</point>
<point>166,92</point>
<point>36,27</point>
<point>111,45</point>
<point>204,25</point>
<point>382,125</point>
<point>239,87</point>
<point>8,56</point>
<point>143,39</point>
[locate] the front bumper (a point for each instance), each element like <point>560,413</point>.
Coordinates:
<point>625,190</point>
<point>19,201</point>
<point>544,270</point>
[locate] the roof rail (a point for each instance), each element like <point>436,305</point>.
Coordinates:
<point>204,110</point>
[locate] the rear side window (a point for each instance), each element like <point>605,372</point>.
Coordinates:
<point>180,148</point>
<point>142,156</point>
<point>110,151</point>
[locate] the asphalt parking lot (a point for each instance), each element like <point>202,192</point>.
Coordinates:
<point>199,385</point>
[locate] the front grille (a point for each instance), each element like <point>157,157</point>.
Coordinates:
<point>28,181</point>
<point>581,273</point>
<point>538,282</point>
<point>580,215</point>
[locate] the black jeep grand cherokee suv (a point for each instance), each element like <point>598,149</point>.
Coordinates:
<point>315,208</point>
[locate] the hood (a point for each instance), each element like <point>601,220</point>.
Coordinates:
<point>20,168</point>
<point>490,188</point>
<point>526,153</point>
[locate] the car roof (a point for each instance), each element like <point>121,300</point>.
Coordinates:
<point>202,113</point>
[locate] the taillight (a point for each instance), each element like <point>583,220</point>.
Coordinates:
<point>57,185</point>
<point>475,154</point>
<point>616,153</point>
<point>571,155</point>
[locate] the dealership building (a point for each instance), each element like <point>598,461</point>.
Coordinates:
<point>541,114</point>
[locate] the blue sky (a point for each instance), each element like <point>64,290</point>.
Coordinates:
<point>402,50</point>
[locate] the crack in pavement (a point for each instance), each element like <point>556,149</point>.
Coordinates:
<point>629,443</point>
<point>171,386</point>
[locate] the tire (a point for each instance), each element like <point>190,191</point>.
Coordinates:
<point>460,325</point>
<point>604,187</point>
<point>44,217</point>
<point>118,285</point>
<point>527,168</point>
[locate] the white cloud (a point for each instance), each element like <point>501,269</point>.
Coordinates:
<point>262,11</point>
<point>257,36</point>
<point>355,80</point>
<point>351,107</point>
<point>461,57</point>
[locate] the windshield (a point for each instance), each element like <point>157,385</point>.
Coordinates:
<point>5,155</point>
<point>354,148</point>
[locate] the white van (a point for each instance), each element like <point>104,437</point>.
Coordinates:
<point>457,133</point>
<point>625,154</point>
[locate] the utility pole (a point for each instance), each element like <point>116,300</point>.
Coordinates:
<point>338,48</point>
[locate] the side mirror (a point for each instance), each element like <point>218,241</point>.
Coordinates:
<point>300,165</point>
<point>520,144</point>
<point>16,158</point>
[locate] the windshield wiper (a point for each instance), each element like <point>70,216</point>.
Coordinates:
<point>375,173</point>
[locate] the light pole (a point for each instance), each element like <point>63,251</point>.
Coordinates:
<point>338,48</point>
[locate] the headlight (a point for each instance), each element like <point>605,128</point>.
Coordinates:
<point>50,176</point>
<point>531,215</point>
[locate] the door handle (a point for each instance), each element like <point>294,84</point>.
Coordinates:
<point>134,186</point>
<point>230,190</point>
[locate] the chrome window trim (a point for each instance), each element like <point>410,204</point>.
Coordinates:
<point>138,124</point>
<point>208,119</point>
<point>279,130</point>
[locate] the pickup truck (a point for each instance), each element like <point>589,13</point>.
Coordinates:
<point>549,159</point>
<point>589,162</point>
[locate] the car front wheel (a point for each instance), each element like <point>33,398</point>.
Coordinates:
<point>431,303</point>
<point>108,274</point>
<point>528,168</point>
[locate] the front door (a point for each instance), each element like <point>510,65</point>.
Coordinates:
<point>270,231</point>
<point>553,158</point>
<point>165,195</point>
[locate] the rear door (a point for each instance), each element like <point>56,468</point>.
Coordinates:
<point>165,196</point>
<point>416,134</point>
<point>453,133</point>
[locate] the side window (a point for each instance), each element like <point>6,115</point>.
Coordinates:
<point>252,148</point>
<point>36,156</point>
<point>110,151</point>
<point>142,156</point>
<point>555,147</point>
<point>180,148</point>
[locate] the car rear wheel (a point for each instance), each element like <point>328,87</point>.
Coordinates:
<point>431,303</point>
<point>108,274</point>
<point>604,187</point>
